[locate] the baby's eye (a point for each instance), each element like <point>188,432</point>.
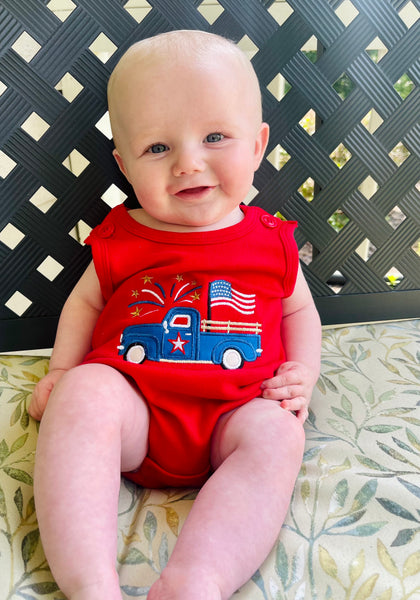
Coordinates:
<point>214,137</point>
<point>157,148</point>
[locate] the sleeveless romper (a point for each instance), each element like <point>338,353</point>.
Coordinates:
<point>194,319</point>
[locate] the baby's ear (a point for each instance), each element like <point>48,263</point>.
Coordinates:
<point>120,162</point>
<point>261,144</point>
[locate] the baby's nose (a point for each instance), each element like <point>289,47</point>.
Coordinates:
<point>187,162</point>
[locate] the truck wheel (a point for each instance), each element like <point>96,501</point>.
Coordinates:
<point>135,354</point>
<point>232,359</point>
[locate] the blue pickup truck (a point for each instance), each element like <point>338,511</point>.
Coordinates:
<point>183,337</point>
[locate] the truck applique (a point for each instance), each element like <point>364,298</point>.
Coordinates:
<point>183,336</point>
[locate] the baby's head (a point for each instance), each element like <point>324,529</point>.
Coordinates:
<point>186,97</point>
<point>184,49</point>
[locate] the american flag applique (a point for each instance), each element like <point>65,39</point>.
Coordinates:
<point>223,294</point>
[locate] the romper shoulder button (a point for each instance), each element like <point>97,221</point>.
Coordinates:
<point>106,231</point>
<point>269,221</point>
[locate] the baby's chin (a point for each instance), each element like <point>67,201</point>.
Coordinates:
<point>213,223</point>
<point>190,219</point>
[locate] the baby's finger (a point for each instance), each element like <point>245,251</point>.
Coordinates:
<point>302,415</point>
<point>298,406</point>
<point>38,402</point>
<point>294,404</point>
<point>289,377</point>
<point>284,392</point>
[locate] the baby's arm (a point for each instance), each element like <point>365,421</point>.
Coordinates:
<point>74,335</point>
<point>301,336</point>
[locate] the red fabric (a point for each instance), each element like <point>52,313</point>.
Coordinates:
<point>236,278</point>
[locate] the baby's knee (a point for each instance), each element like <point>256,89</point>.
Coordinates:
<point>261,428</point>
<point>86,387</point>
<point>281,427</point>
<point>292,430</point>
<point>279,444</point>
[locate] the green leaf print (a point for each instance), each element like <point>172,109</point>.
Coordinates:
<point>29,545</point>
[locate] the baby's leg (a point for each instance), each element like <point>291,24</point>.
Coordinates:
<point>95,424</point>
<point>236,518</point>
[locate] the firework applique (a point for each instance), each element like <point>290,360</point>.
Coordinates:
<point>155,297</point>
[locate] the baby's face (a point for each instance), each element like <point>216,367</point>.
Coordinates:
<point>189,138</point>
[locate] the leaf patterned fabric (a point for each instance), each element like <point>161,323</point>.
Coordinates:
<point>353,527</point>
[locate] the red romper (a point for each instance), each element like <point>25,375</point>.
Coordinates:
<point>194,319</point>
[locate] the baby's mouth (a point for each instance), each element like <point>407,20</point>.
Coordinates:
<point>194,192</point>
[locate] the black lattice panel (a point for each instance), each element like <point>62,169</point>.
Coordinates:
<point>335,74</point>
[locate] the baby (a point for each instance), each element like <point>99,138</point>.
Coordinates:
<point>187,353</point>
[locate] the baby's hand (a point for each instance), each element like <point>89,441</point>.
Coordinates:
<point>292,386</point>
<point>42,392</point>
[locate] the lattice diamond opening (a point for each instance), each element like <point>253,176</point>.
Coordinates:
<point>137,10</point>
<point>80,232</point>
<point>278,87</point>
<point>307,189</point>
<point>248,46</point>
<point>11,236</point>
<point>336,282</point>
<point>409,14</point>
<point>338,220</point>
<point>210,10</point>
<point>368,187</point>
<point>346,12</point>
<point>280,11</point>
<point>306,253</point>
<point>393,277</point>
<point>278,157</point>
<point>404,86</point>
<point>18,303</point>
<point>343,86</point>
<point>69,87</point>
<point>399,154</point>
<point>103,47</point>
<point>307,122</point>
<point>35,126</point>
<point>113,196</point>
<point>26,46</point>
<point>376,50</point>
<point>366,249</point>
<point>61,8</point>
<point>372,121</point>
<point>76,162</point>
<point>310,49</point>
<point>43,199</point>
<point>104,125</point>
<point>416,247</point>
<point>6,165</point>
<point>3,88</point>
<point>50,268</point>
<point>252,193</point>
<point>395,217</point>
<point>340,155</point>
